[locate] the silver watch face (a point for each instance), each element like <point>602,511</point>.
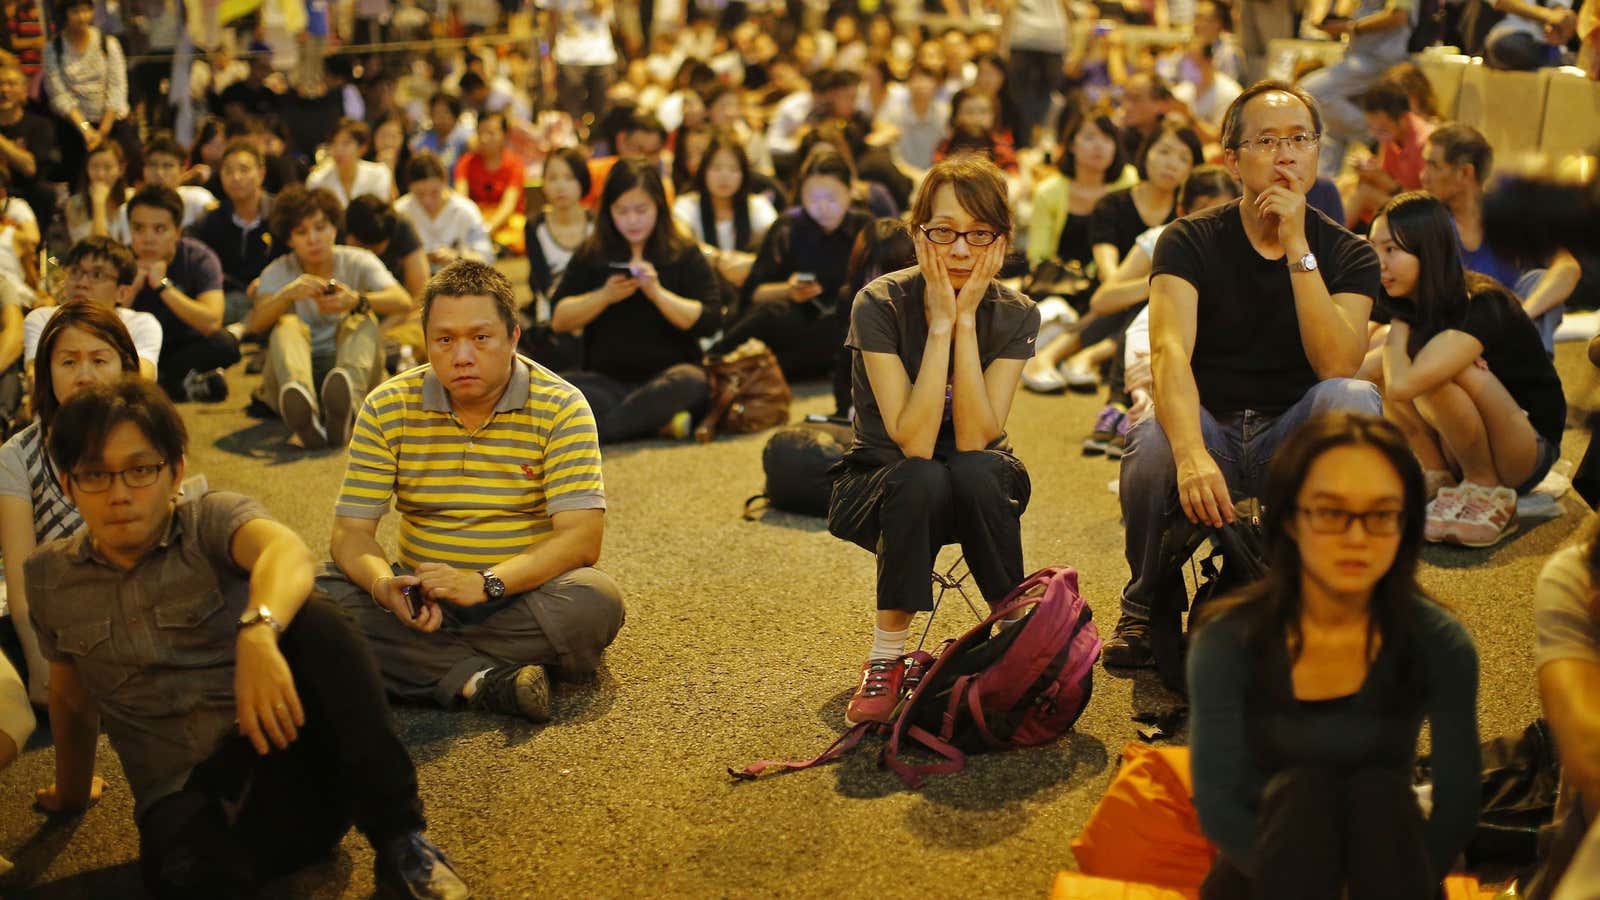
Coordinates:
<point>1308,263</point>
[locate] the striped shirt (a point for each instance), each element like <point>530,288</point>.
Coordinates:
<point>26,473</point>
<point>472,499</point>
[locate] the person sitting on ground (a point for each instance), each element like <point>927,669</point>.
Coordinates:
<point>792,295</point>
<point>1567,658</point>
<point>1464,376</point>
<point>641,135</point>
<point>179,282</point>
<point>84,344</point>
<point>389,148</point>
<point>95,206</point>
<point>1129,288</point>
<point>1532,35</point>
<point>1307,691</point>
<point>490,175</point>
<point>643,295</point>
<point>237,229</point>
<point>1456,165</point>
<point>163,165</point>
<point>975,111</point>
<point>245,713</point>
<point>1379,31</point>
<point>319,304</point>
<point>28,145</point>
<point>20,285</point>
<point>345,173</point>
<point>1163,162</point>
<point>448,134</point>
<point>1258,320</point>
<point>450,226</point>
<point>17,722</point>
<point>723,213</point>
<point>1204,94</point>
<point>1401,136</point>
<point>103,272</point>
<point>936,353</point>
<point>371,224</point>
<point>509,596</point>
<point>556,232</point>
<point>1146,100</point>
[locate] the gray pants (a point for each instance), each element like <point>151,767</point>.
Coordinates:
<point>567,623</point>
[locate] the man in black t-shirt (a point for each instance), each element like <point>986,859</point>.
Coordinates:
<point>28,146</point>
<point>1258,320</point>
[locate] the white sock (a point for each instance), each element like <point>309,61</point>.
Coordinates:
<point>471,687</point>
<point>888,644</point>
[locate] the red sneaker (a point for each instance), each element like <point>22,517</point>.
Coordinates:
<point>879,693</point>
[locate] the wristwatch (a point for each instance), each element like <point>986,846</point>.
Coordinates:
<point>363,306</point>
<point>164,285</point>
<point>260,615</point>
<point>1307,263</point>
<point>493,587</point>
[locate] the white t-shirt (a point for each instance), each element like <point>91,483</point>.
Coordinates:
<point>144,328</point>
<point>791,113</point>
<point>1040,25</point>
<point>372,178</point>
<point>459,225</point>
<point>1214,101</point>
<point>584,38</point>
<point>686,209</point>
<point>919,135</point>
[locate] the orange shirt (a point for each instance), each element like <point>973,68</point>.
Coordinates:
<point>1402,158</point>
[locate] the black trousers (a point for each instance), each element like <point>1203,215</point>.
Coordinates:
<point>215,351</point>
<point>1325,835</point>
<point>906,511</point>
<point>628,410</point>
<point>243,818</point>
<point>809,344</point>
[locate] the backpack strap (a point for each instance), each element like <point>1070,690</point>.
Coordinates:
<point>750,514</point>
<point>913,775</point>
<point>976,709</point>
<point>840,747</point>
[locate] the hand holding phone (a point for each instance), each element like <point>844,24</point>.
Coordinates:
<point>413,595</point>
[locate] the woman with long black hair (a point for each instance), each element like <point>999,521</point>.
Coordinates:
<point>722,212</point>
<point>643,295</point>
<point>1308,690</point>
<point>1465,376</point>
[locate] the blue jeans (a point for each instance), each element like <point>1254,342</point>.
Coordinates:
<point>1242,443</point>
<point>1338,88</point>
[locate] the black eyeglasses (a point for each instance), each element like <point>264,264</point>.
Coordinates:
<point>1333,520</point>
<point>98,482</point>
<point>943,234</point>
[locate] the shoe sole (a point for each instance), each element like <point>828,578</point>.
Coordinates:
<point>533,693</point>
<point>338,407</point>
<point>1115,452</point>
<point>1510,529</point>
<point>1117,658</point>
<point>1092,447</point>
<point>297,412</point>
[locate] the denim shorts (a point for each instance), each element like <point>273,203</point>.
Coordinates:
<point>1548,454</point>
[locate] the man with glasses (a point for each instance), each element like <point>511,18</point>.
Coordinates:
<point>100,271</point>
<point>246,710</point>
<point>1258,321</point>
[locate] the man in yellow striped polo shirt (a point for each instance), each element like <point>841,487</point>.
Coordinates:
<point>494,466</point>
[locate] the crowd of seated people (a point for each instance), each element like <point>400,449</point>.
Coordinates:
<point>923,218</point>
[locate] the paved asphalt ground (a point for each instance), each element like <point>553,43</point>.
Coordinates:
<point>742,642</point>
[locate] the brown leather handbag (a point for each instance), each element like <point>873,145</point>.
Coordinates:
<point>748,392</point>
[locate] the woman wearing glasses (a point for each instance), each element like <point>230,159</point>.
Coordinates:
<point>936,353</point>
<point>1465,376</point>
<point>83,344</point>
<point>1308,690</point>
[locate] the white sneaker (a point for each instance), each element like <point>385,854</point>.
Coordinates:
<point>1079,377</point>
<point>1442,512</point>
<point>1043,380</point>
<point>1487,516</point>
<point>299,412</point>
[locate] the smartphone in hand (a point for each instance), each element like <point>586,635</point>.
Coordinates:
<point>413,595</point>
<point>805,276</point>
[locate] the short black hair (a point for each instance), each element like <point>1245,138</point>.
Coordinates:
<point>245,146</point>
<point>470,278</point>
<point>643,121</point>
<point>1185,135</point>
<point>451,102</point>
<point>84,422</point>
<point>471,81</point>
<point>108,249</point>
<point>163,142</point>
<point>1233,119</point>
<point>577,163</point>
<point>425,165</point>
<point>1388,98</point>
<point>158,196</point>
<point>833,79</point>
<point>295,204</point>
<point>1463,144</point>
<point>369,220</point>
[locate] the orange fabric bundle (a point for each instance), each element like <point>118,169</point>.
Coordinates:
<point>1146,828</point>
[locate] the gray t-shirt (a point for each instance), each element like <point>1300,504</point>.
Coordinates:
<point>354,267</point>
<point>1388,45</point>
<point>888,317</point>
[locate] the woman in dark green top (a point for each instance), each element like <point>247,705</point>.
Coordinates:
<point>1308,691</point>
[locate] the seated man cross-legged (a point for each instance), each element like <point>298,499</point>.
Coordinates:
<point>1258,320</point>
<point>494,466</point>
<point>247,712</point>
